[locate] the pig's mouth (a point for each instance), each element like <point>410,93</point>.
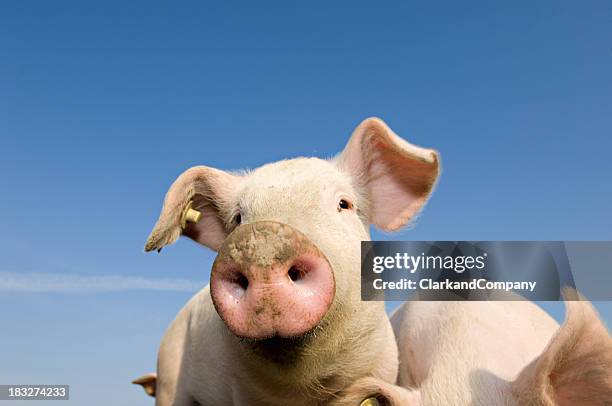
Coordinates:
<point>282,350</point>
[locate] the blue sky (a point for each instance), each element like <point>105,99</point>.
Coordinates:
<point>103,105</point>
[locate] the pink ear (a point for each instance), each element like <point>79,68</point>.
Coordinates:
<point>397,176</point>
<point>576,366</point>
<point>210,192</point>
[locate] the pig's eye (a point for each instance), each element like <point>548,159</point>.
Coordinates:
<point>344,205</point>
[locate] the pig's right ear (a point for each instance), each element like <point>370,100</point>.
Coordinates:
<point>396,176</point>
<point>208,191</point>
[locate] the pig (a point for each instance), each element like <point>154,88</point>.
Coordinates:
<point>282,320</point>
<point>494,353</point>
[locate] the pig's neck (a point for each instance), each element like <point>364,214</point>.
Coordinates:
<point>347,349</point>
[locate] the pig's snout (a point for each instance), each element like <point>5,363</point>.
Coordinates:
<point>270,280</point>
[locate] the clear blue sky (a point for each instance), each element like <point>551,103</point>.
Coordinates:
<point>103,105</point>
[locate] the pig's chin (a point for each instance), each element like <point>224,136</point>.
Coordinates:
<point>281,350</point>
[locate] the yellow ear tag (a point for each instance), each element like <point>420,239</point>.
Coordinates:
<point>190,215</point>
<point>370,402</point>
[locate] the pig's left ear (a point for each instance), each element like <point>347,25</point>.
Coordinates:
<point>576,366</point>
<point>397,176</point>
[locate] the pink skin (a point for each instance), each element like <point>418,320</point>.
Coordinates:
<point>288,298</point>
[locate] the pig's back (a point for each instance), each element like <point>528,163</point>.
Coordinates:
<point>466,351</point>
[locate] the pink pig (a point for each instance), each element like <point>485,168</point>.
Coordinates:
<point>282,321</point>
<point>494,353</point>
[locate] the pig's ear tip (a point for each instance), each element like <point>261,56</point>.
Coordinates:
<point>148,383</point>
<point>150,246</point>
<point>162,236</point>
<point>157,240</point>
<point>149,249</point>
<point>373,121</point>
<point>153,244</point>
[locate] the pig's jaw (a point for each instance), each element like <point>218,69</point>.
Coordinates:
<point>280,350</point>
<point>286,352</point>
<point>316,366</point>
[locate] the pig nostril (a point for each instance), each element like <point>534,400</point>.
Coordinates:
<point>241,280</point>
<point>294,273</point>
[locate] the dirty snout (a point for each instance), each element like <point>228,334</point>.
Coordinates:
<point>270,280</point>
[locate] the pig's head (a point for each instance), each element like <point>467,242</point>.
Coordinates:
<point>288,233</point>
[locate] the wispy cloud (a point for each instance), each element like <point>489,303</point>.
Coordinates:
<point>70,283</point>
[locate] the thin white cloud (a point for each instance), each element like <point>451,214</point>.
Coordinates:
<point>70,283</point>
